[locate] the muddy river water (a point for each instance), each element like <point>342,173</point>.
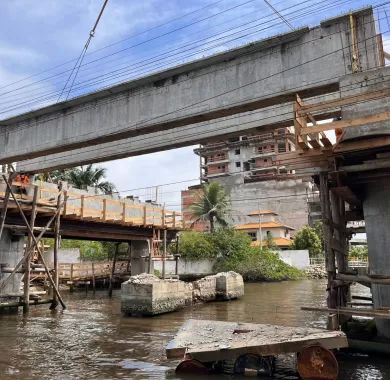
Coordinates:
<point>92,340</point>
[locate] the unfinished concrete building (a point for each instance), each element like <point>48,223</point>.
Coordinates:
<point>246,167</point>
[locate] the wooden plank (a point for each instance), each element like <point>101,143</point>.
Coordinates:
<point>345,193</point>
<point>375,313</point>
<point>363,278</point>
<point>368,165</point>
<point>216,340</point>
<point>347,123</point>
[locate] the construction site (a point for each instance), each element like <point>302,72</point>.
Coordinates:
<point>298,113</point>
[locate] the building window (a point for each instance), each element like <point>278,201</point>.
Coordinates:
<point>265,160</point>
<point>269,234</point>
<point>238,164</point>
<point>252,235</point>
<point>237,151</point>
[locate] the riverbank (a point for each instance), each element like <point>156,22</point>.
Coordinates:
<point>92,340</point>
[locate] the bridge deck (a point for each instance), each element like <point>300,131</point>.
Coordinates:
<point>82,206</point>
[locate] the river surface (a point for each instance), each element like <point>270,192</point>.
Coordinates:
<point>92,340</point>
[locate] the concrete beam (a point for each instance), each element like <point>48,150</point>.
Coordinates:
<point>269,118</point>
<point>255,76</point>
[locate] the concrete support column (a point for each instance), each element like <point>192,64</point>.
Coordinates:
<point>139,254</point>
<point>11,251</point>
<point>377,217</point>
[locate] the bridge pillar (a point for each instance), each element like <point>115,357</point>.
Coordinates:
<point>11,251</point>
<point>377,217</point>
<point>139,253</point>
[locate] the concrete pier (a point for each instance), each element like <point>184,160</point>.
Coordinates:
<point>11,251</point>
<point>139,253</point>
<point>147,295</point>
<point>377,216</point>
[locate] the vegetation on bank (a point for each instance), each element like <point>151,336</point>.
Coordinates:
<point>232,250</point>
<point>309,238</point>
<point>91,250</point>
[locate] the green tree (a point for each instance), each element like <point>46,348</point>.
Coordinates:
<point>81,177</point>
<point>84,176</point>
<point>359,252</point>
<point>270,242</point>
<point>307,238</point>
<point>212,205</point>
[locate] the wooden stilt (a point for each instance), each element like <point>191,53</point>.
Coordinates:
<point>57,243</point>
<point>36,243</point>
<point>129,247</point>
<point>31,250</point>
<point>5,204</point>
<point>113,270</point>
<point>93,278</point>
<point>27,261</point>
<point>164,252</point>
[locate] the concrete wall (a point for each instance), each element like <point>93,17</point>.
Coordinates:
<point>296,258</point>
<point>65,255</point>
<point>201,267</point>
<point>286,197</point>
<point>268,71</point>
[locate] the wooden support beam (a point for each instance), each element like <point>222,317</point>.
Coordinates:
<point>366,166</point>
<point>5,204</point>
<point>363,278</point>
<point>56,247</point>
<point>36,242</point>
<point>346,194</point>
<point>346,123</point>
<point>27,261</point>
<point>354,215</point>
<point>113,270</point>
<point>350,311</point>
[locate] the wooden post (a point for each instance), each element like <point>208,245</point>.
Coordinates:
<point>124,212</point>
<point>93,278</point>
<point>5,204</point>
<point>82,207</point>
<point>57,242</point>
<point>164,253</point>
<point>144,216</point>
<point>27,262</point>
<point>71,278</point>
<point>113,269</point>
<point>129,249</point>
<point>174,219</point>
<point>327,227</point>
<point>35,241</point>
<point>104,209</point>
<point>150,248</point>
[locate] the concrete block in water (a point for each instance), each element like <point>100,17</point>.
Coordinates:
<point>230,285</point>
<point>205,289</point>
<point>147,295</point>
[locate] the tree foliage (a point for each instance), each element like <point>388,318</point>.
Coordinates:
<point>81,177</point>
<point>359,252</point>
<point>307,238</point>
<point>232,250</point>
<point>212,205</point>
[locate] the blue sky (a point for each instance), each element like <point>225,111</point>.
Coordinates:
<point>133,38</point>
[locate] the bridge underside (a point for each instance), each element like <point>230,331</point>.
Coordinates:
<point>195,102</point>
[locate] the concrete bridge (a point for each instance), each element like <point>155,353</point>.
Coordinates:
<point>195,102</point>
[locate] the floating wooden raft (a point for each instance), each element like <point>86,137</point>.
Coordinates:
<point>209,341</point>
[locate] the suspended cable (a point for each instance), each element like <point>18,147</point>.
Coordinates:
<point>80,59</point>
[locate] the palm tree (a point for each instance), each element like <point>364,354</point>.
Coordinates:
<point>84,176</point>
<point>212,205</point>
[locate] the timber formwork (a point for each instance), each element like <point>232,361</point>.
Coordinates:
<point>341,170</point>
<point>42,209</point>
